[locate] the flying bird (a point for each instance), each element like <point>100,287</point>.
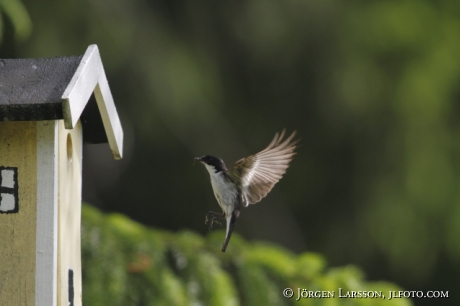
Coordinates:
<point>247,181</point>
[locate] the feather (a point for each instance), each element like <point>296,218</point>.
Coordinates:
<point>258,173</point>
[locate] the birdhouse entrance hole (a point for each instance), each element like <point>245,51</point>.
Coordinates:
<point>69,148</point>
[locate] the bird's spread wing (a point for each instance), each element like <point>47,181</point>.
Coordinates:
<point>260,172</point>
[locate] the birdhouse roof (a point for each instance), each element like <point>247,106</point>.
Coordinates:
<point>71,88</point>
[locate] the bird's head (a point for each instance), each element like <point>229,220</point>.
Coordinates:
<point>212,163</point>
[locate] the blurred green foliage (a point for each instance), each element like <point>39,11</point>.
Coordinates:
<point>17,14</point>
<point>125,263</point>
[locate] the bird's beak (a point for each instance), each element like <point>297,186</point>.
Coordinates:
<point>197,159</point>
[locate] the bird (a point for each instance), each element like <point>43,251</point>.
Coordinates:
<point>248,181</point>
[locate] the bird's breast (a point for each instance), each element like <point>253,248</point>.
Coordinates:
<point>225,192</point>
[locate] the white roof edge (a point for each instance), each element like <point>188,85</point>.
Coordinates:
<point>88,78</point>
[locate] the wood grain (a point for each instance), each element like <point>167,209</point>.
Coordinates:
<point>69,215</point>
<point>17,243</point>
<point>47,191</point>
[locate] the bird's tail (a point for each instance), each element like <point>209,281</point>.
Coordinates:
<point>231,220</point>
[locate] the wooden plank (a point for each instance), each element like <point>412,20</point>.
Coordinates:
<point>47,194</point>
<point>81,86</point>
<point>18,240</point>
<point>90,77</point>
<point>109,115</point>
<point>31,89</point>
<point>69,215</point>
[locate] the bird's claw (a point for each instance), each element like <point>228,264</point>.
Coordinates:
<point>211,220</point>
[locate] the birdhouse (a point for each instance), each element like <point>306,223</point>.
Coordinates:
<point>49,107</point>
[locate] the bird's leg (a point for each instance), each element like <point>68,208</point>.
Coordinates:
<point>212,217</point>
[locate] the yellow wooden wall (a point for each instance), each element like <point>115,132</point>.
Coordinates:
<point>18,230</point>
